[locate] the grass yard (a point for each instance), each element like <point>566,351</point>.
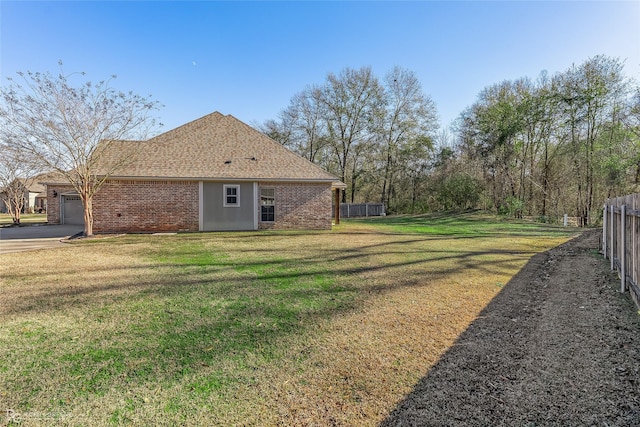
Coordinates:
<point>25,219</point>
<point>264,328</point>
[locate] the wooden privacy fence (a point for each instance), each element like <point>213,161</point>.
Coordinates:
<point>621,241</point>
<point>351,210</point>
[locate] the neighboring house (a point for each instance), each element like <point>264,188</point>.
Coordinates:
<point>35,197</point>
<point>215,173</point>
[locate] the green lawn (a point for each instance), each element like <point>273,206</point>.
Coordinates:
<point>247,328</point>
<point>24,219</point>
<point>461,224</point>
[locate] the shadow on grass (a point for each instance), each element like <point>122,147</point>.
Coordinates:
<point>205,308</point>
<point>232,273</point>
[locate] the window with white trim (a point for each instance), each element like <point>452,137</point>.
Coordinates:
<point>267,204</point>
<point>231,194</point>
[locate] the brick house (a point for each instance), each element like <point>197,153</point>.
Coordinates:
<point>35,199</point>
<point>215,173</point>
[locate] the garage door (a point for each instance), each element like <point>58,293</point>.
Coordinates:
<point>72,212</point>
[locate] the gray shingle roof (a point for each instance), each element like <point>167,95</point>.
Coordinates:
<point>212,147</point>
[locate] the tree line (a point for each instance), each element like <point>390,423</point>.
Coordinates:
<point>375,135</point>
<point>538,147</point>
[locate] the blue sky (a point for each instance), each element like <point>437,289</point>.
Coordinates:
<point>249,58</point>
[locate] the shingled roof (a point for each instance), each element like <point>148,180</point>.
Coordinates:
<point>213,147</point>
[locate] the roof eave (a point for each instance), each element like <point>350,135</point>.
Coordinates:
<point>335,182</point>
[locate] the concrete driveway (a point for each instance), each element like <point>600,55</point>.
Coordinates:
<point>17,239</point>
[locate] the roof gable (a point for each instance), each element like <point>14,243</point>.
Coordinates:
<point>212,147</point>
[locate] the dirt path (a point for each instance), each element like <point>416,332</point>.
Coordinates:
<point>560,345</point>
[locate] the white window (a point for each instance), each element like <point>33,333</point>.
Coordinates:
<point>267,205</point>
<point>231,194</point>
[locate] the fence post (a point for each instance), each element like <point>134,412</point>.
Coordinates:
<point>635,276</point>
<point>366,210</point>
<point>604,231</point>
<point>623,248</point>
<point>613,220</point>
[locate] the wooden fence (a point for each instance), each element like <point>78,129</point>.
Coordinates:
<point>352,210</point>
<point>621,241</point>
<point>566,220</point>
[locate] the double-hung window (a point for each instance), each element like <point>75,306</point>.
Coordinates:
<point>267,205</point>
<point>231,196</point>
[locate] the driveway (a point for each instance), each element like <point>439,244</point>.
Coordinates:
<point>17,239</point>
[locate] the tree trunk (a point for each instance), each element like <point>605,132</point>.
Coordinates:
<point>87,204</point>
<point>545,179</point>
<point>386,184</point>
<point>15,212</point>
<point>354,177</point>
<point>14,206</point>
<point>343,166</point>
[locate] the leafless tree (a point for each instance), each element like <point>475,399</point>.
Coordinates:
<point>17,174</point>
<point>68,127</point>
<point>349,101</point>
<point>407,123</point>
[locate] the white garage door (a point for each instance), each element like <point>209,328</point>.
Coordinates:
<point>72,212</point>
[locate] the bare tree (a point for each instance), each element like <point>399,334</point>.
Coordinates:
<point>17,174</point>
<point>305,118</point>
<point>349,101</point>
<point>301,126</point>
<point>409,118</point>
<point>67,128</point>
<point>359,129</point>
<point>276,130</point>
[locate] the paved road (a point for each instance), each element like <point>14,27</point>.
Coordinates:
<point>17,239</point>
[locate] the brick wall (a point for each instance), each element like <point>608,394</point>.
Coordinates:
<point>300,206</point>
<point>165,206</point>
<point>53,203</point>
<point>146,206</point>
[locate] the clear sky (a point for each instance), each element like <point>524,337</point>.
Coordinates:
<point>249,58</point>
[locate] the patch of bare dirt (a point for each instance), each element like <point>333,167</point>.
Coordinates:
<point>560,345</point>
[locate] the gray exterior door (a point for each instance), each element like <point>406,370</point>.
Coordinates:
<point>228,206</point>
<point>72,212</point>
